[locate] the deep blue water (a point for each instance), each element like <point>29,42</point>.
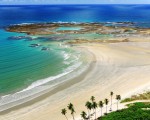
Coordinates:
<point>77,13</point>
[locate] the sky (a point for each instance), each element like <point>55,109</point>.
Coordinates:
<point>14,2</point>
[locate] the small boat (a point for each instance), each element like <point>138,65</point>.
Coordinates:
<point>45,48</point>
<point>34,45</point>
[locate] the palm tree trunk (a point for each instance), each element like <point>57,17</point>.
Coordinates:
<point>73,117</point>
<point>89,114</point>
<point>101,112</point>
<point>95,114</point>
<point>117,105</point>
<point>88,111</point>
<point>106,109</point>
<point>66,117</point>
<point>93,110</point>
<point>111,104</point>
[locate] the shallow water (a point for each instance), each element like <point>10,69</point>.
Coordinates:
<point>68,28</point>
<point>21,65</point>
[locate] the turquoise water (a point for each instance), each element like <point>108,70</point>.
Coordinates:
<point>68,28</point>
<point>21,65</point>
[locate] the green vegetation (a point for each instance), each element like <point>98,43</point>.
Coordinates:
<point>101,105</point>
<point>94,105</point>
<point>91,106</point>
<point>111,94</point>
<point>83,115</point>
<point>144,96</point>
<point>71,108</point>
<point>118,98</point>
<point>63,112</point>
<point>106,101</point>
<point>136,111</point>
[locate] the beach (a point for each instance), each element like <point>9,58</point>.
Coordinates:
<point>53,55</point>
<point>121,67</point>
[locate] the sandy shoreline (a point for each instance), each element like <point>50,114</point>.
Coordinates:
<point>66,81</point>
<point>120,67</point>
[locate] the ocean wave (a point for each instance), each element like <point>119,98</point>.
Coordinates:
<point>30,93</point>
<point>40,87</point>
<point>36,87</point>
<point>66,56</point>
<point>23,24</point>
<point>43,81</point>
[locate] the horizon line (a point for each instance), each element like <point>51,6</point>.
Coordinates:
<point>79,4</point>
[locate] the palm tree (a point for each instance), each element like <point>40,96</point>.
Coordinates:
<point>83,115</point>
<point>72,113</point>
<point>118,97</point>
<point>106,103</point>
<point>94,106</point>
<point>71,108</point>
<point>89,107</point>
<point>63,112</point>
<point>111,94</point>
<point>101,106</point>
<point>92,98</point>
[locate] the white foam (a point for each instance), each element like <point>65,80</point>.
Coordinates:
<point>43,81</point>
<point>66,56</point>
<point>42,86</point>
<point>36,87</point>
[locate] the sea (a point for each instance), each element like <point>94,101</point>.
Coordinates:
<point>25,70</point>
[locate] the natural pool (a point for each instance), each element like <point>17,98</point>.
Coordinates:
<point>68,28</point>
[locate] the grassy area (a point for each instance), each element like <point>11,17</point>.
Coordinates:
<point>136,111</point>
<point>144,96</point>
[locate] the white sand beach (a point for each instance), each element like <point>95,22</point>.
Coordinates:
<point>122,67</point>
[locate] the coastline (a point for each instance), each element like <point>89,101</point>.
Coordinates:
<point>47,90</point>
<point>119,71</point>
<point>109,50</point>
